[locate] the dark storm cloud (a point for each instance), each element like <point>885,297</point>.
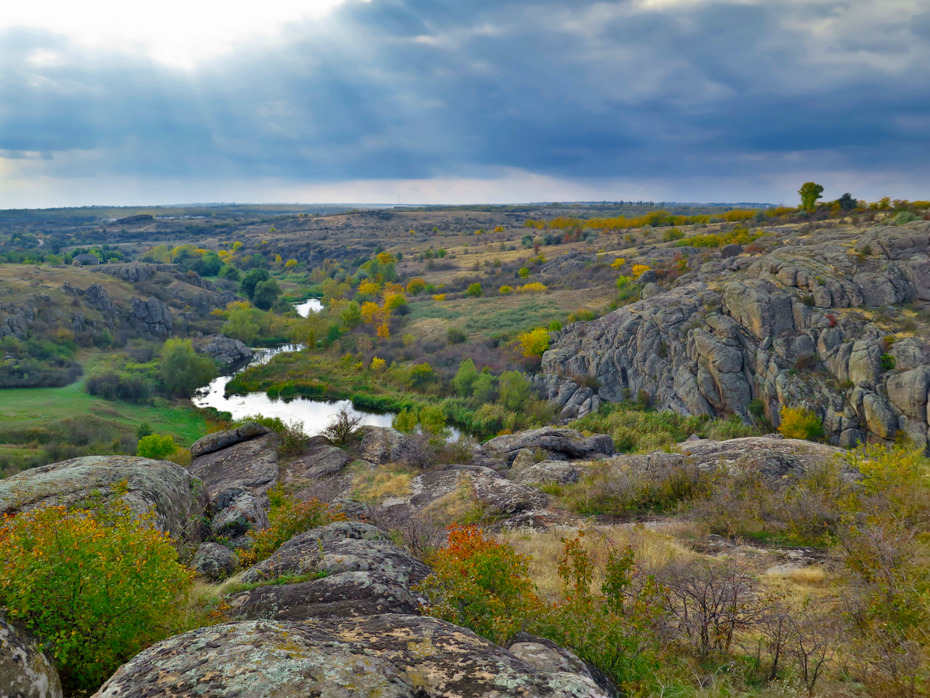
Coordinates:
<point>410,89</point>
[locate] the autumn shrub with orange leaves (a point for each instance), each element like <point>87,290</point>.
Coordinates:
<point>481,584</point>
<point>94,586</point>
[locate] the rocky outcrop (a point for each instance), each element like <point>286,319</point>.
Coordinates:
<point>383,655</point>
<point>319,459</point>
<point>778,330</point>
<point>219,440</point>
<point>545,472</point>
<point>228,353</point>
<point>25,672</point>
<point>345,569</point>
<point>174,495</point>
<point>772,456</point>
<point>237,468</point>
<point>557,444</point>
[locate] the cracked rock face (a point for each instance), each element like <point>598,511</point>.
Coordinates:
<point>171,491</point>
<point>25,672</point>
<point>386,655</point>
<point>775,329</point>
<point>361,572</point>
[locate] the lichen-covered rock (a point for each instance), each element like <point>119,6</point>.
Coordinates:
<point>558,443</point>
<point>547,471</point>
<point>25,672</point>
<point>173,493</point>
<point>385,655</point>
<point>380,445</point>
<point>547,656</point>
<point>237,468</point>
<point>353,569</point>
<point>214,561</point>
<point>319,459</point>
<point>772,456</point>
<point>224,439</point>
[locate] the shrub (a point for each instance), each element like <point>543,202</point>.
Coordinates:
<point>439,297</point>
<point>617,263</point>
<point>800,423</point>
<point>377,364</point>
<point>887,362</point>
<point>534,342</point>
<point>416,286</point>
<point>287,516</point>
<point>465,378</point>
<point>515,390</point>
<point>505,290</point>
<point>405,421</point>
<point>293,437</point>
<point>95,587</point>
<point>480,584</point>
<point>473,290</point>
<point>182,369</point>
<point>157,446</point>
<point>615,630</point>
<point>455,336</point>
<point>343,428</point>
<point>433,419</point>
<point>532,287</point>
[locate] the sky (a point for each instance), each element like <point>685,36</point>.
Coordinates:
<point>461,101</point>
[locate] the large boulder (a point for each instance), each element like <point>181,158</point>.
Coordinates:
<point>219,440</point>
<point>457,492</point>
<point>557,443</point>
<point>385,655</point>
<point>237,468</point>
<point>214,561</point>
<point>173,493</point>
<point>345,568</point>
<point>319,459</point>
<point>25,672</point>
<point>772,456</point>
<point>227,352</point>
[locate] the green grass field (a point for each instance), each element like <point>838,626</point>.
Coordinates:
<point>37,407</point>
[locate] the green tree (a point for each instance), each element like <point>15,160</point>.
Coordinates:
<point>242,323</point>
<point>266,294</point>
<point>847,202</point>
<point>515,390</point>
<point>251,280</point>
<point>484,388</point>
<point>182,369</point>
<point>465,378</point>
<point>810,192</point>
<point>351,315</point>
<point>405,421</point>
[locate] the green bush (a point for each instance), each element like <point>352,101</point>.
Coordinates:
<point>287,516</point>
<point>95,587</point>
<point>182,369</point>
<point>474,290</point>
<point>157,446</point>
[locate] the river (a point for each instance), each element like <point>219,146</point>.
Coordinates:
<point>312,415</point>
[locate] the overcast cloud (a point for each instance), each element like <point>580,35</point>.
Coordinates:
<point>416,101</point>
